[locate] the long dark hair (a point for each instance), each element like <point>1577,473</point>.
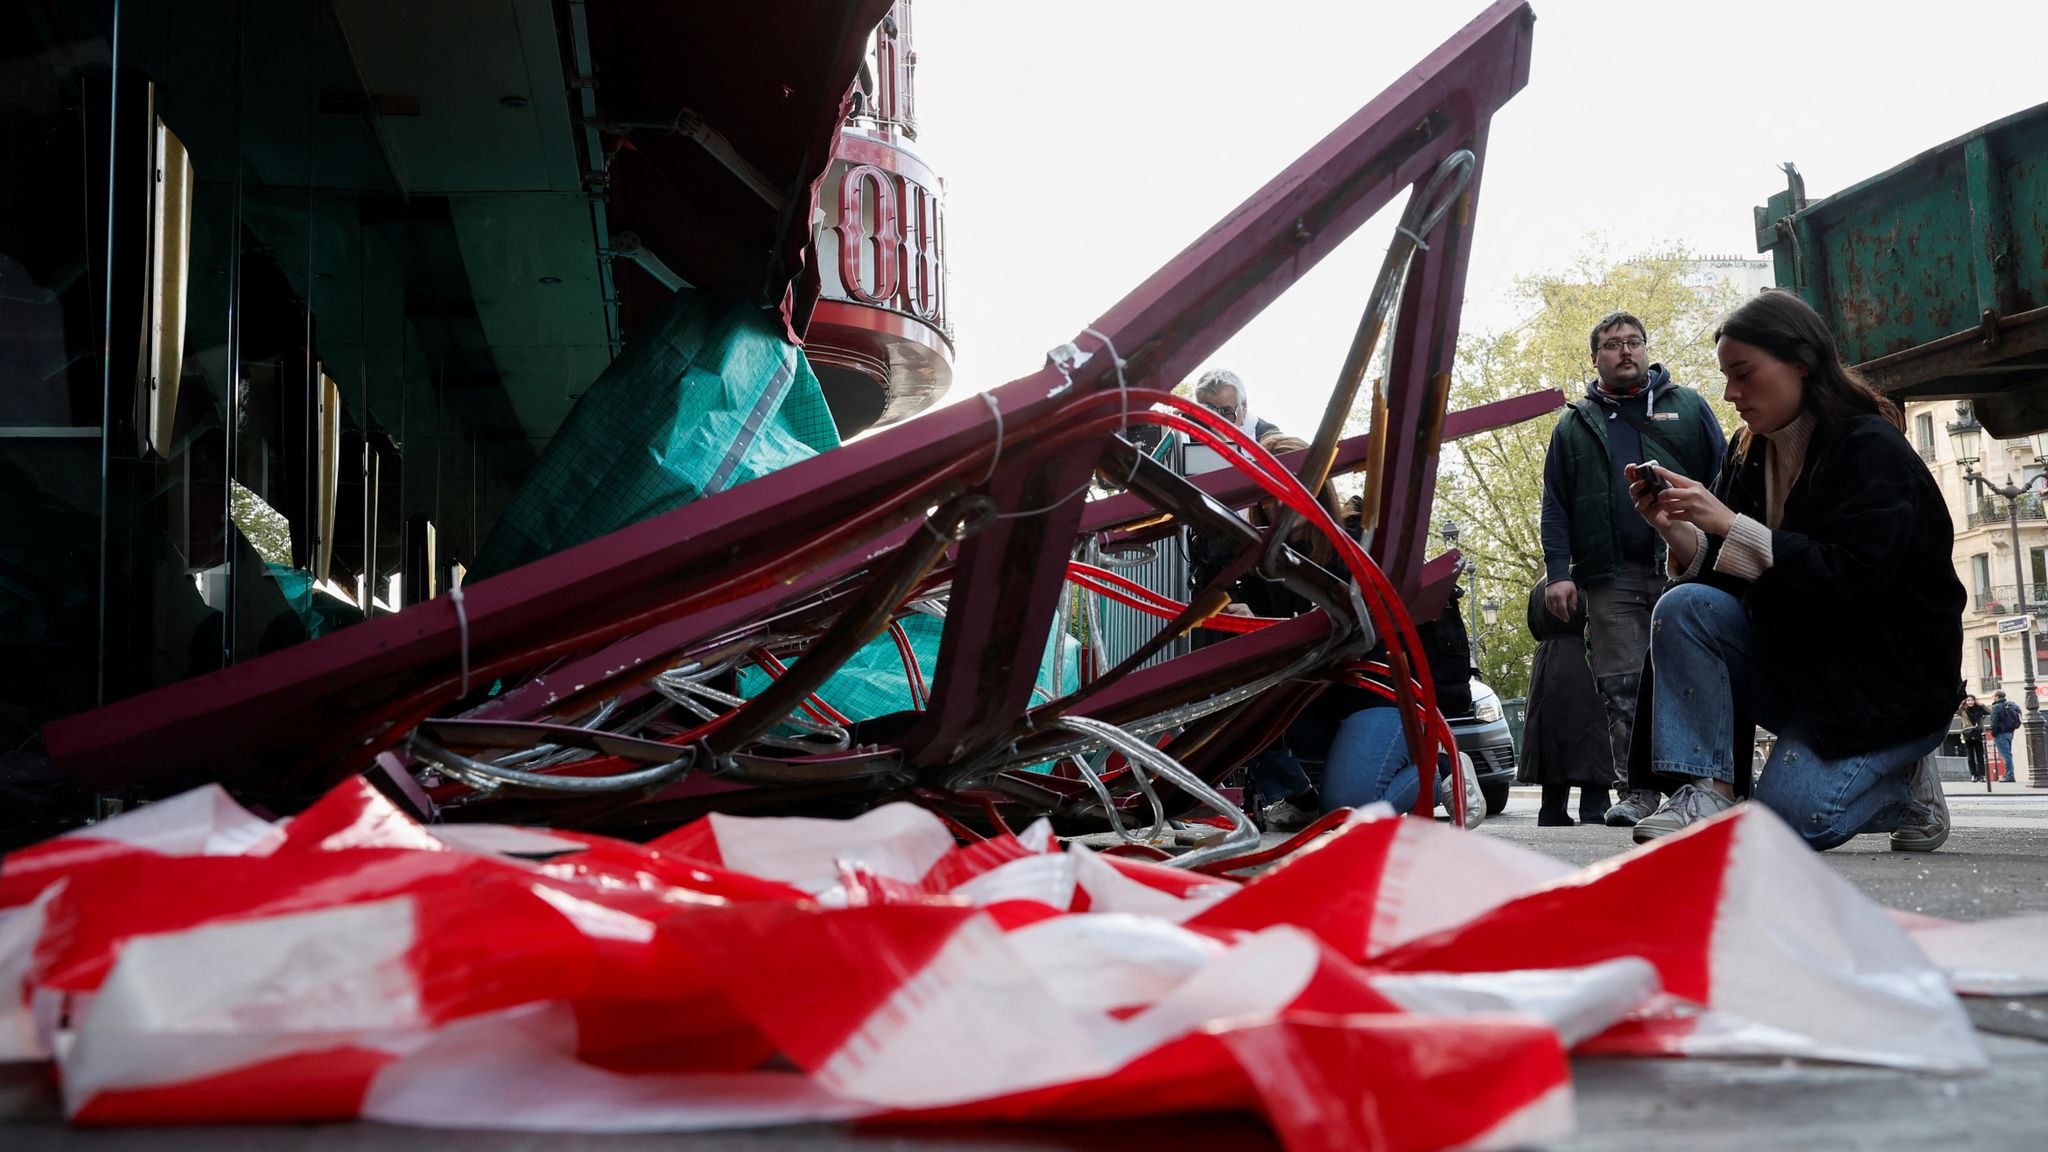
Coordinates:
<point>1786,327</point>
<point>1316,545</point>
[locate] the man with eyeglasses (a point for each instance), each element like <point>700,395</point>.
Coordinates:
<point>1221,391</point>
<point>1594,543</point>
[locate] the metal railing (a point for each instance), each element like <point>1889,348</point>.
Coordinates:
<point>1928,453</point>
<point>1118,630</point>
<point>1991,510</point>
<point>2008,599</point>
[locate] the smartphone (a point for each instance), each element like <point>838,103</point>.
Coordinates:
<point>1646,473</point>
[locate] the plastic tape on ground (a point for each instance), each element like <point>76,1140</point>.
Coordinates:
<point>1399,986</point>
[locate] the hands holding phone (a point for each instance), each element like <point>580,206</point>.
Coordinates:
<point>1667,500</point>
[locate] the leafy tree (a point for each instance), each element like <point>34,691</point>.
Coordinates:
<point>265,527</point>
<point>1492,484</point>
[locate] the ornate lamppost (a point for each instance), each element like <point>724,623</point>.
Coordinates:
<point>1966,434</point>
<point>1489,611</point>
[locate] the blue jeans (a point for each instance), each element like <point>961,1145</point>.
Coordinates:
<point>2004,740</point>
<point>1277,775</point>
<point>1706,658</point>
<point>1369,761</point>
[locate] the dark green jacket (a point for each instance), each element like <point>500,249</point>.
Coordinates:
<point>1584,493</point>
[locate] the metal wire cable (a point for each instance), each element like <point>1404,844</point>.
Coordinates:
<point>691,695</point>
<point>490,777</point>
<point>1243,834</point>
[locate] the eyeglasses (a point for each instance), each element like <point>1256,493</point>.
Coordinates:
<point>1632,343</point>
<point>1227,411</point>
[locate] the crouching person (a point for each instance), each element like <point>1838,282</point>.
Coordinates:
<point>1817,598</point>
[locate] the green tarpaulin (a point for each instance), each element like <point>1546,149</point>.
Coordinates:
<point>874,683</point>
<point>712,396</point>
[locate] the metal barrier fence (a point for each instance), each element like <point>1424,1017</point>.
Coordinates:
<point>1115,631</point>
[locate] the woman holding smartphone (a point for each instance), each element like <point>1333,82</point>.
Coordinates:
<point>1816,598</point>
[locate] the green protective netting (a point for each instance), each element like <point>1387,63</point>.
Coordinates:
<point>874,683</point>
<point>712,396</point>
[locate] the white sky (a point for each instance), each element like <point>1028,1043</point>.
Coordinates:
<point>1084,142</point>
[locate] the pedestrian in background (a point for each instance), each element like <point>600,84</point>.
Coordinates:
<point>1973,715</point>
<point>1564,738</point>
<point>1594,544</point>
<point>1286,799</point>
<point>2005,720</point>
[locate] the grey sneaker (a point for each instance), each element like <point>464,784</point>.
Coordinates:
<point>1624,813</point>
<point>1926,826</point>
<point>1689,805</point>
<point>1286,816</point>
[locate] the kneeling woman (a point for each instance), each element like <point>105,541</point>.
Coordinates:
<point>1816,598</point>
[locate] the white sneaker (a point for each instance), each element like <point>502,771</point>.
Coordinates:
<point>1475,800</point>
<point>1926,827</point>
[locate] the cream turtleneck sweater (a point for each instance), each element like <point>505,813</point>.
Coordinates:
<point>1746,553</point>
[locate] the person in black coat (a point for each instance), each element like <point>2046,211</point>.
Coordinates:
<point>1278,787</point>
<point>1564,738</point>
<point>1817,598</point>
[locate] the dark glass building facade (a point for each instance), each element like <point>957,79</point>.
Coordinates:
<point>293,293</point>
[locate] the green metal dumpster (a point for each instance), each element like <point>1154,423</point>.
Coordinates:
<point>1934,275</point>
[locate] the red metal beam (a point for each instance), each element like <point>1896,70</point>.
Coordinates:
<point>1183,313</point>
<point>1419,385</point>
<point>1229,486</point>
<point>265,712</point>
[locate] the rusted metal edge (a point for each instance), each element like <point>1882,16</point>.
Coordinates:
<point>1230,487</point>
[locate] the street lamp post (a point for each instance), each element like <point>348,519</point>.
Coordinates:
<point>1451,532</point>
<point>1472,595</point>
<point>1966,433</point>
<point>1489,611</point>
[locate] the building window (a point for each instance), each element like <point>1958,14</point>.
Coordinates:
<point>1923,427</point>
<point>1988,668</point>
<point>1980,572</point>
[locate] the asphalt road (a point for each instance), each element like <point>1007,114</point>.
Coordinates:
<point>1994,864</point>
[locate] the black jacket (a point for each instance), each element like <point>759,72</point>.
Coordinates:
<point>1589,524</point>
<point>1858,620</point>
